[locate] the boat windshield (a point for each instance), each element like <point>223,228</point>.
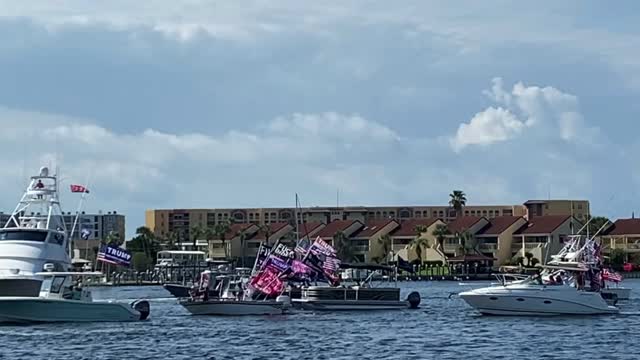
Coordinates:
<point>23,235</point>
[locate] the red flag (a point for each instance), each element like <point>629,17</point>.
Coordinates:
<point>79,189</point>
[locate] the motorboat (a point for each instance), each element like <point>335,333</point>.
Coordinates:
<point>231,299</point>
<point>533,296</point>
<point>34,234</point>
<point>614,289</point>
<point>569,285</point>
<point>62,299</point>
<point>362,295</point>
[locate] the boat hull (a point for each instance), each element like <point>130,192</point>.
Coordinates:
<point>348,305</point>
<point>233,307</point>
<point>536,302</point>
<point>39,310</point>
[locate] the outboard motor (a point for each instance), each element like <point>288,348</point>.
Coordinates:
<point>414,300</point>
<point>142,306</point>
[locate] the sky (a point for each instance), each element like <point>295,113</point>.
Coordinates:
<point>215,104</point>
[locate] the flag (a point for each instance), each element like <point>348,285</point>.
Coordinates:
<point>114,255</point>
<point>611,276</point>
<point>302,247</point>
<point>85,234</point>
<point>79,189</point>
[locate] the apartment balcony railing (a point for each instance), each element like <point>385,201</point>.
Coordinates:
<point>518,246</point>
<point>622,246</point>
<point>360,248</point>
<point>488,247</point>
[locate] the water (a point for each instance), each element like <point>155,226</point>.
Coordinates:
<point>444,328</point>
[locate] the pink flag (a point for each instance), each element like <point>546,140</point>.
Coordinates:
<point>79,189</point>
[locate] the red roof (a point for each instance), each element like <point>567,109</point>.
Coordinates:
<point>234,229</point>
<point>335,227</point>
<point>273,227</point>
<point>624,227</point>
<point>408,227</point>
<point>308,227</point>
<point>499,224</point>
<point>372,227</point>
<point>462,223</point>
<point>543,224</point>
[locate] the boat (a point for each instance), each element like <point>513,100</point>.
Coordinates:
<point>35,234</point>
<point>231,300</point>
<point>568,285</point>
<point>360,296</point>
<point>61,299</point>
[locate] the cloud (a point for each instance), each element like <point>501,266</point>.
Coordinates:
<point>529,111</point>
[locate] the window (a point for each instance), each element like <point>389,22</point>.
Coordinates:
<point>579,206</point>
<point>56,284</point>
<point>23,235</point>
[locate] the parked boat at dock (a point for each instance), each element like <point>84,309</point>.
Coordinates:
<point>60,300</point>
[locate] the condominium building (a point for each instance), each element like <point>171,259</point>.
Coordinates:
<point>180,221</point>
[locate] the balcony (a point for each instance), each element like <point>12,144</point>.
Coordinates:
<point>360,248</point>
<point>631,247</point>
<point>488,247</point>
<point>530,245</point>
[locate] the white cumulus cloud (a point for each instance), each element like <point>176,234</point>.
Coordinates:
<point>544,112</point>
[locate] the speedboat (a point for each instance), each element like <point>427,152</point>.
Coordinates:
<point>35,234</point>
<point>231,299</point>
<point>614,290</point>
<point>361,296</point>
<point>569,285</point>
<point>532,297</point>
<point>63,300</point>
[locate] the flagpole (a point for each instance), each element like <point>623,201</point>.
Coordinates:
<point>75,221</point>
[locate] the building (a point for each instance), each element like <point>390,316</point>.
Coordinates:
<point>623,234</point>
<point>180,221</point>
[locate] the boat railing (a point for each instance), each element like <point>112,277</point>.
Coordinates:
<point>509,278</point>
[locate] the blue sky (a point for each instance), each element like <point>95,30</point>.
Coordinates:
<point>222,104</point>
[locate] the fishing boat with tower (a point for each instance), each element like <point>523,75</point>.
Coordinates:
<point>34,235</point>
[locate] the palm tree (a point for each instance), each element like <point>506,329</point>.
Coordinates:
<point>113,239</point>
<point>419,242</point>
<point>343,247</point>
<point>457,200</point>
<point>220,230</point>
<point>146,237</point>
<point>465,240</point>
<point>440,233</point>
<point>266,230</point>
<point>594,225</point>
<point>243,237</point>
<point>528,256</point>
<point>171,240</point>
<point>385,247</point>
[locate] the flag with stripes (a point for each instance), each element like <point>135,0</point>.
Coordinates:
<point>302,247</point>
<point>611,276</point>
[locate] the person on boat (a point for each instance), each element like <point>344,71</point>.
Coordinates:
<point>39,185</point>
<point>559,280</point>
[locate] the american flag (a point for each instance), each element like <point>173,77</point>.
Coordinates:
<point>611,276</point>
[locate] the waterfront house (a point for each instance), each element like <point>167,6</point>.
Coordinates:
<point>495,240</point>
<point>543,236</point>
<point>406,233</point>
<point>623,235</point>
<point>368,243</point>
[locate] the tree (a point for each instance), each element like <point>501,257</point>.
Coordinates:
<point>343,246</point>
<point>385,248</point>
<point>220,230</point>
<point>140,261</point>
<point>465,239</point>
<point>267,231</point>
<point>528,256</point>
<point>243,237</point>
<point>144,242</point>
<point>196,233</point>
<point>440,233</point>
<point>594,225</point>
<point>113,239</point>
<point>171,241</point>
<point>457,200</point>
<point>419,242</point>
<point>616,258</point>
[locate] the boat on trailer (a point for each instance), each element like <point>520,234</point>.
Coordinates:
<point>363,296</point>
<point>62,299</point>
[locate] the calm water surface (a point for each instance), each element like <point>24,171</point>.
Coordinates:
<point>444,328</point>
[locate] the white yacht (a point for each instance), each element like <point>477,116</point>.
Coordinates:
<point>569,285</point>
<point>35,234</point>
<point>533,296</point>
